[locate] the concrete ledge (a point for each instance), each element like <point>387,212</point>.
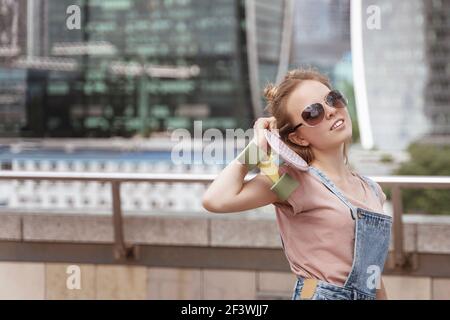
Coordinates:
<point>167,230</point>
<point>67,228</point>
<point>433,238</point>
<point>99,229</point>
<point>422,233</point>
<point>432,234</point>
<point>244,233</point>
<point>409,237</point>
<point>10,227</point>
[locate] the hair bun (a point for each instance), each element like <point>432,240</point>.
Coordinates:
<point>270,92</point>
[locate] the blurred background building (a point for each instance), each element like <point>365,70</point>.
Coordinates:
<point>135,67</point>
<point>322,33</point>
<point>139,67</point>
<point>402,70</point>
<point>437,94</point>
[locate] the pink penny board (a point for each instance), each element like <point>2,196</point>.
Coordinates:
<point>286,153</point>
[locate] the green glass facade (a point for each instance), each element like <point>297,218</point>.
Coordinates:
<point>134,67</point>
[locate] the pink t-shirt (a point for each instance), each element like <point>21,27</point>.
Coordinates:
<point>317,228</point>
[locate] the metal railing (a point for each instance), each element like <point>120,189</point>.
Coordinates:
<point>122,250</point>
<point>401,259</point>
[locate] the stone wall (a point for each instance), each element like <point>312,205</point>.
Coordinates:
<point>45,280</point>
<point>48,281</point>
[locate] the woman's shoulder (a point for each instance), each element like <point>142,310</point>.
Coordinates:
<point>304,177</point>
<point>374,186</point>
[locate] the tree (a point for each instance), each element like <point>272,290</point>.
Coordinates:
<point>431,160</point>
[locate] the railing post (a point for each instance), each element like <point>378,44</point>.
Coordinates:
<point>121,250</point>
<point>399,257</point>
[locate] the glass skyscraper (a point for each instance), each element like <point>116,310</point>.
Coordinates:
<point>402,71</point>
<point>322,33</point>
<point>437,28</point>
<point>135,67</point>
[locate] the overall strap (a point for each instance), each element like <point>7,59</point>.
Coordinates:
<point>330,185</point>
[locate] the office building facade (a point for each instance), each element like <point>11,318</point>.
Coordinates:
<point>401,70</point>
<point>136,67</point>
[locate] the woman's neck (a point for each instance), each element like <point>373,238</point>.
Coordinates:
<point>332,163</point>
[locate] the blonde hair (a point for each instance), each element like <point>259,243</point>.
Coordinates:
<point>277,96</point>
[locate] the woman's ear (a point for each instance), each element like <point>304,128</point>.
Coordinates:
<point>294,138</point>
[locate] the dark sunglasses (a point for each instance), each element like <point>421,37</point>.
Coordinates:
<point>315,113</point>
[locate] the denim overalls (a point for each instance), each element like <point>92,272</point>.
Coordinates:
<point>372,236</point>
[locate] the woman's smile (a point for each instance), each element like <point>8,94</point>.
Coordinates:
<point>339,124</point>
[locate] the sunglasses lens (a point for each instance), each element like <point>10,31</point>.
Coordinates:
<point>313,114</point>
<point>336,99</point>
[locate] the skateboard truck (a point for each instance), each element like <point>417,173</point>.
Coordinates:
<point>253,156</point>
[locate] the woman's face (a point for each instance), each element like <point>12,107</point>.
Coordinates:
<point>321,136</point>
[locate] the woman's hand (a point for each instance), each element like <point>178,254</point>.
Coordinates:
<point>259,126</point>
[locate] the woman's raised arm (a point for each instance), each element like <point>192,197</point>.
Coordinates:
<point>230,193</point>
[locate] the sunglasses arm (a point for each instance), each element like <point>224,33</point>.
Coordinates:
<point>297,126</point>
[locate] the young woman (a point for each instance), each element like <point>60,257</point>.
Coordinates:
<point>333,229</point>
